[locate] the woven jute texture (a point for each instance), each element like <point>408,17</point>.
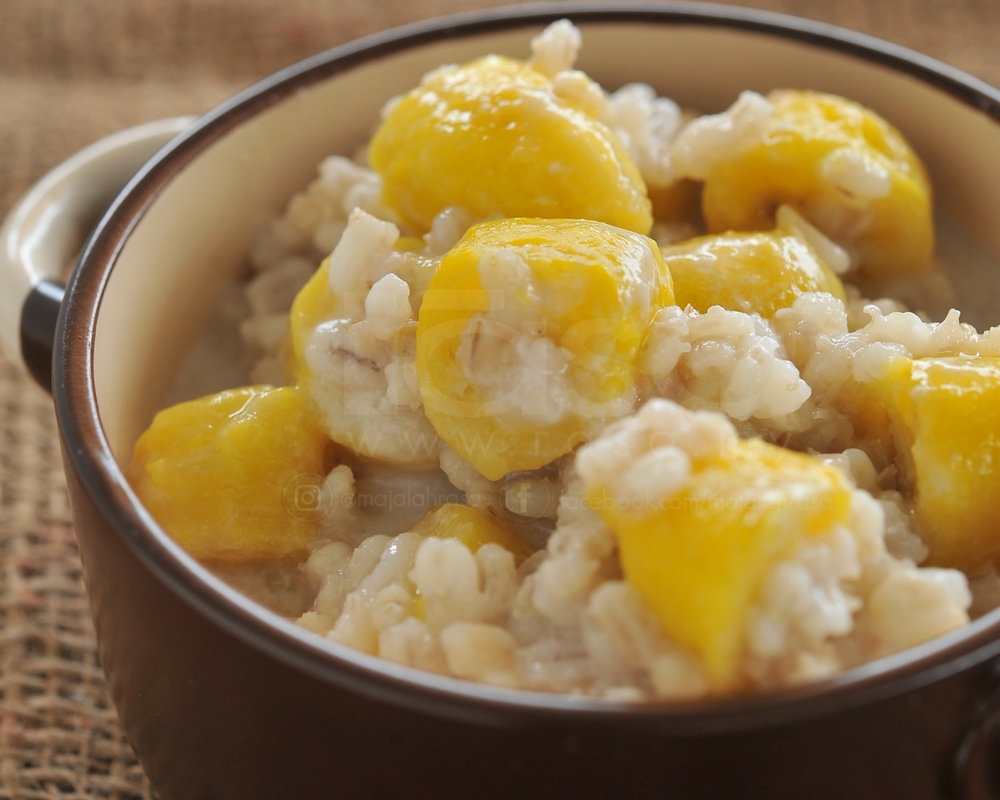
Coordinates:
<point>71,72</point>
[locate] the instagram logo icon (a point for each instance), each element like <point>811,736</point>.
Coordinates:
<point>306,497</point>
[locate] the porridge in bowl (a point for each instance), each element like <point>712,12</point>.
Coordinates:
<point>581,392</point>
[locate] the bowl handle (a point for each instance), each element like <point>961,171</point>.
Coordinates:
<point>43,235</point>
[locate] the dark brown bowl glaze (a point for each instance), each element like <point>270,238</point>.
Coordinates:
<point>222,699</point>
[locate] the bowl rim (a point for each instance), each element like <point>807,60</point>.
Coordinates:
<point>87,450</point>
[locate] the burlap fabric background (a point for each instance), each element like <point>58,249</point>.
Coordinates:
<point>72,71</point>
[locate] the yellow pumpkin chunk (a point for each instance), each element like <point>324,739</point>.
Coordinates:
<point>233,476</point>
<point>471,527</point>
<point>528,335</point>
<point>946,422</point>
<point>749,272</point>
<point>493,138</point>
<point>316,302</point>
<point>841,166</point>
<point>699,557</point>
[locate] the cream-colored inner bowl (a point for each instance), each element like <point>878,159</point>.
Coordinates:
<point>196,234</point>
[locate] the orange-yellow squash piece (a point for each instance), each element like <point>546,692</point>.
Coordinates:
<point>810,137</point>
<point>698,558</point>
<point>315,303</point>
<point>493,138</point>
<point>583,292</point>
<point>471,527</point>
<point>749,272</point>
<point>946,423</point>
<point>234,476</point>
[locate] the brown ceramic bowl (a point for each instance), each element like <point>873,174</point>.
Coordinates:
<point>222,699</point>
